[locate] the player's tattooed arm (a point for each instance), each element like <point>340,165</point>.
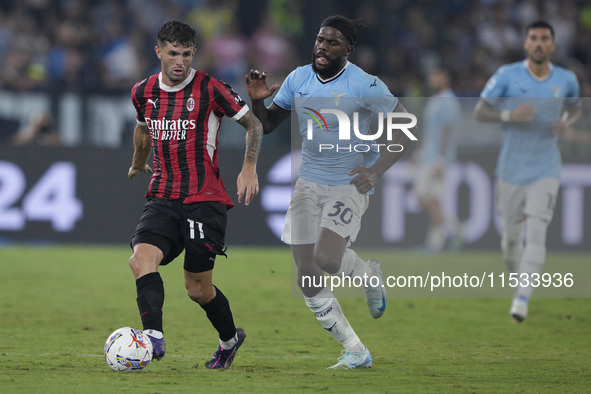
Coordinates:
<point>248,183</point>
<point>143,147</point>
<point>254,136</point>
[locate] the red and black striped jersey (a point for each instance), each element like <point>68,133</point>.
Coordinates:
<point>184,121</point>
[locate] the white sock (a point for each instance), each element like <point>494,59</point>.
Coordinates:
<point>353,266</point>
<point>534,254</point>
<point>329,314</point>
<point>154,333</point>
<point>229,343</point>
<point>436,238</point>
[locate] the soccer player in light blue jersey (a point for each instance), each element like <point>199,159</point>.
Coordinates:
<point>331,194</point>
<point>536,101</point>
<point>436,153</point>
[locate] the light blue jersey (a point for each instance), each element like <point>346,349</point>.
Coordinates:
<point>530,151</point>
<point>351,91</point>
<point>442,110</point>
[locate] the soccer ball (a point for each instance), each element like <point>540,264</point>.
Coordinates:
<point>128,349</point>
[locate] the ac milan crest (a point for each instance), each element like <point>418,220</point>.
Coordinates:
<point>191,104</point>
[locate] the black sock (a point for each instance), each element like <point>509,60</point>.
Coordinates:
<point>150,299</point>
<point>219,314</point>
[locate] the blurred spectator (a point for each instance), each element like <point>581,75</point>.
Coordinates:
<point>213,18</point>
<point>287,14</point>
<point>121,64</point>
<point>149,15</point>
<point>67,63</point>
<point>88,47</point>
<point>19,71</point>
<point>56,33</point>
<point>499,37</point>
<point>40,130</point>
<point>527,11</point>
<point>271,50</point>
<point>224,55</point>
<point>561,16</point>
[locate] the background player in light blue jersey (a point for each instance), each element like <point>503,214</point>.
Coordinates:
<point>331,194</point>
<point>436,153</point>
<point>536,101</point>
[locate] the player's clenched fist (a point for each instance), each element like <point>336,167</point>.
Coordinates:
<point>132,173</point>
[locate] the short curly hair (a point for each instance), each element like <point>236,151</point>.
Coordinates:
<point>178,33</point>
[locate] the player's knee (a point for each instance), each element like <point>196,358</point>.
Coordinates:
<point>141,264</point>
<point>195,293</point>
<point>328,262</point>
<point>199,292</point>
<point>535,237</point>
<point>145,259</point>
<point>509,245</point>
<point>137,265</point>
<point>512,248</point>
<point>512,238</point>
<point>535,230</point>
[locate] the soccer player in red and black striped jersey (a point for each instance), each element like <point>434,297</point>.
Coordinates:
<point>179,112</point>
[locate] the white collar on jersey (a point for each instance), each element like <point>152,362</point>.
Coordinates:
<point>334,77</point>
<point>534,76</point>
<point>178,87</point>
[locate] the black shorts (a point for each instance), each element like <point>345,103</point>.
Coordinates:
<point>199,228</point>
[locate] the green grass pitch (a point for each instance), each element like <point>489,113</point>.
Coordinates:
<point>59,304</point>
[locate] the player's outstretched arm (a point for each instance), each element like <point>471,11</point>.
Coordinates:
<point>248,182</point>
<point>485,112</point>
<point>258,91</point>
<point>366,178</point>
<point>141,153</point>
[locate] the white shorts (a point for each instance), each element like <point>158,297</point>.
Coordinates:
<point>426,185</point>
<point>515,202</point>
<point>338,208</point>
